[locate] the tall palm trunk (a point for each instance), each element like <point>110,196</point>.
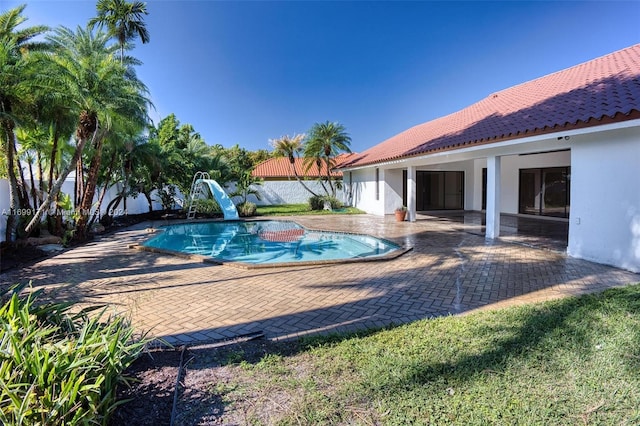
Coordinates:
<point>79,183</point>
<point>54,155</point>
<point>103,192</point>
<point>88,126</point>
<point>149,201</point>
<point>295,173</point>
<point>14,197</point>
<point>89,193</point>
<point>327,161</point>
<point>22,183</point>
<point>34,191</point>
<point>40,177</point>
<point>319,166</point>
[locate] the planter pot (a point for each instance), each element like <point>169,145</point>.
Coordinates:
<point>401,215</point>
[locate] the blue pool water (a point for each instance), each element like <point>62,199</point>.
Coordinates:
<point>266,242</point>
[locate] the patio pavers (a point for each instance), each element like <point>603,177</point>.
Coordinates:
<point>183,301</point>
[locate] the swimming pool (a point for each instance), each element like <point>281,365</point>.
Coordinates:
<point>268,243</point>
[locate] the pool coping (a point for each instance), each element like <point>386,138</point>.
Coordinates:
<point>248,266</point>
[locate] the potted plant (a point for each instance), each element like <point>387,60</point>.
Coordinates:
<point>401,213</point>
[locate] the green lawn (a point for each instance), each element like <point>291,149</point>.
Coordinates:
<point>574,361</point>
<point>298,209</point>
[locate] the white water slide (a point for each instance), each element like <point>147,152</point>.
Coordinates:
<point>200,180</point>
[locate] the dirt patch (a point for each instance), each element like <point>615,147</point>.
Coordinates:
<point>150,395</point>
<point>207,390</point>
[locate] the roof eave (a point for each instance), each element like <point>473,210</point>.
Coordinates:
<point>619,117</point>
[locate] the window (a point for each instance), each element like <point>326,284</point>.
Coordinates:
<point>377,184</point>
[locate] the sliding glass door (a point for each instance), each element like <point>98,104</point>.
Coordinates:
<point>439,190</point>
<point>545,191</point>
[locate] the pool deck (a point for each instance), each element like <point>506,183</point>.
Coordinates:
<point>183,301</point>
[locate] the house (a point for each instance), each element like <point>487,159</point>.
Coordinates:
<point>280,185</point>
<point>563,146</point>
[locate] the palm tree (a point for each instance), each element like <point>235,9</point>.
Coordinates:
<point>99,90</point>
<point>15,46</point>
<point>290,147</point>
<point>327,140</point>
<point>123,20</point>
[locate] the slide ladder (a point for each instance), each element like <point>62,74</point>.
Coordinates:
<point>197,192</point>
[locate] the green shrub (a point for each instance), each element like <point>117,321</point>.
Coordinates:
<point>58,367</point>
<point>335,203</point>
<point>208,207</point>
<point>247,209</point>
<point>317,202</point>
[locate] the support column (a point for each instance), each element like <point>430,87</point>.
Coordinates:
<point>493,198</point>
<point>411,193</point>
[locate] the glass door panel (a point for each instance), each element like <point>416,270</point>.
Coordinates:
<point>545,191</point>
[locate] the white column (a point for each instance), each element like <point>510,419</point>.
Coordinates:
<point>411,193</point>
<point>493,198</point>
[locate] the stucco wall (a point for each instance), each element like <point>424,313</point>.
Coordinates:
<point>392,185</point>
<point>134,205</point>
<point>364,191</point>
<point>288,192</point>
<point>605,198</point>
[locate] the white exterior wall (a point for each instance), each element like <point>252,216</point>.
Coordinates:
<point>476,185</point>
<point>275,192</point>
<point>392,185</point>
<point>364,191</point>
<point>605,198</point>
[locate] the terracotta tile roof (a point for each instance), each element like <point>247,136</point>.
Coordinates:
<point>281,168</point>
<point>603,90</point>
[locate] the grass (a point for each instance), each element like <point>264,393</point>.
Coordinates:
<point>573,361</point>
<point>300,209</point>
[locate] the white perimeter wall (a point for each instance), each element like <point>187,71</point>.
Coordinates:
<point>134,205</point>
<point>605,198</point>
<point>288,192</point>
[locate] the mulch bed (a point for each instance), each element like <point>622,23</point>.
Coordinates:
<point>12,256</point>
<point>150,395</point>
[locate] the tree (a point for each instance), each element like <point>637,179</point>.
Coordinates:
<point>244,185</point>
<point>15,48</point>
<point>326,140</point>
<point>185,152</point>
<point>123,20</point>
<point>99,89</point>
<point>290,147</point>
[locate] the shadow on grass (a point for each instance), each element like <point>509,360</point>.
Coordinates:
<point>534,333</point>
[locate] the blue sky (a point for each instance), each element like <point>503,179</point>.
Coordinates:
<point>246,72</point>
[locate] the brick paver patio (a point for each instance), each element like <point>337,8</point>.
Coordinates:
<point>184,301</point>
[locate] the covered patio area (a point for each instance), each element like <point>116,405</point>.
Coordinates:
<point>539,232</point>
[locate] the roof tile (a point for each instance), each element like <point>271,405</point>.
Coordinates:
<point>608,86</point>
<point>281,168</point>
